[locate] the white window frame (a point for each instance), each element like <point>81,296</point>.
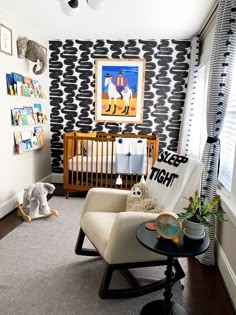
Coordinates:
<point>228,199</point>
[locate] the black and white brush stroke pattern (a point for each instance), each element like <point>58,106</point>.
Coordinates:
<point>72,87</point>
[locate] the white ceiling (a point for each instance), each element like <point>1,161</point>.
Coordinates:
<point>172,19</point>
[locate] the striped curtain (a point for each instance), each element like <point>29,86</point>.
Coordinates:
<point>222,59</point>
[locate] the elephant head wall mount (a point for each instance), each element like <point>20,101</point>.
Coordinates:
<point>34,52</point>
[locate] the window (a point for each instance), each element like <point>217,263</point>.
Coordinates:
<point>227,171</point>
<point>228,141</point>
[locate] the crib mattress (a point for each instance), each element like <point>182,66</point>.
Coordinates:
<point>96,164</point>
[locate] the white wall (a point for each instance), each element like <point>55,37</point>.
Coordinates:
<point>19,171</point>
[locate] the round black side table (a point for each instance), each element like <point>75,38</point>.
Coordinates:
<point>185,248</point>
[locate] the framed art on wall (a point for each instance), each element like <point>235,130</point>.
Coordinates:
<point>5,40</point>
<point>119,89</point>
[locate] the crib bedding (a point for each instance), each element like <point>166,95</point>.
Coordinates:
<point>97,164</point>
<point>93,164</point>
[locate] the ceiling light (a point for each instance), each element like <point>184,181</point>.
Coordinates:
<point>95,4</point>
<point>70,7</point>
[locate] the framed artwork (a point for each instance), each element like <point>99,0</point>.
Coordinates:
<point>5,40</point>
<point>119,90</point>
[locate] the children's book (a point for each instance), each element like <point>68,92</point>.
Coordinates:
<point>11,88</point>
<point>40,117</point>
<point>17,136</point>
<point>38,129</point>
<point>26,135</point>
<point>37,89</point>
<point>18,80</point>
<point>18,77</point>
<point>21,148</point>
<point>34,141</point>
<point>41,138</point>
<point>37,108</point>
<point>25,89</point>
<point>28,145</point>
<point>24,117</point>
<point>19,88</point>
<point>16,114</point>
<point>30,115</point>
<point>28,81</point>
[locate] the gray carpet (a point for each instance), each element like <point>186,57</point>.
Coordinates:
<point>40,274</point>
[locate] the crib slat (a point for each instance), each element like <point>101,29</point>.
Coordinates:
<point>112,163</point>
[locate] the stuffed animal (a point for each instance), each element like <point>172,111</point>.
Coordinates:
<point>139,200</point>
<point>35,204</point>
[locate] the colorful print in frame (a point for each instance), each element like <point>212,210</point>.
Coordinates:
<point>119,88</point>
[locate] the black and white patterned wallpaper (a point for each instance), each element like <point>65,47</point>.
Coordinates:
<point>72,83</point>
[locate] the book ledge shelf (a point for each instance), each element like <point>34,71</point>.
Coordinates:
<point>26,141</point>
<point>19,85</point>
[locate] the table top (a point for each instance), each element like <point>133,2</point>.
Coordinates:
<point>185,248</point>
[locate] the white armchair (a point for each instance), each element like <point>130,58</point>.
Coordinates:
<point>112,231</point>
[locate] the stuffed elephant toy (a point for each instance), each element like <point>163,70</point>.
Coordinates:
<point>34,52</point>
<point>35,204</point>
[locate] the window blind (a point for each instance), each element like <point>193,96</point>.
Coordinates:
<point>228,140</point>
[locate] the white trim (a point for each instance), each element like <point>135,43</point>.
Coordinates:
<point>10,204</point>
<point>228,205</point>
<point>57,178</point>
<point>227,272</point>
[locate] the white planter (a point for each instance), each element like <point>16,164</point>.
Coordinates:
<point>193,230</point>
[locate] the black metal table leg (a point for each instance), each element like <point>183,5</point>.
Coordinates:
<point>185,248</point>
<point>165,307</point>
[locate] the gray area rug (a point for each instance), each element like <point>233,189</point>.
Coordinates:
<point>40,273</point>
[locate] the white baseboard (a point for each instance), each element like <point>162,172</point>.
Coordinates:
<point>226,272</point>
<point>10,204</point>
<point>57,178</point>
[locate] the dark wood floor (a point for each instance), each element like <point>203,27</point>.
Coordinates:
<point>204,291</point>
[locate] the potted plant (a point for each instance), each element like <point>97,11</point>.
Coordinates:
<point>199,214</point>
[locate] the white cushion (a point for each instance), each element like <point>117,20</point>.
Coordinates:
<point>123,246</point>
<point>97,227</point>
<point>114,236</point>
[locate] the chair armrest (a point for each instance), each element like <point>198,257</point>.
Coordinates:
<point>105,200</point>
<point>123,245</point>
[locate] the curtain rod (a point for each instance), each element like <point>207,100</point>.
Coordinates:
<point>209,18</point>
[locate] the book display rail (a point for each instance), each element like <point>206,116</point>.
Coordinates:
<point>19,85</point>
<point>28,115</point>
<point>29,140</point>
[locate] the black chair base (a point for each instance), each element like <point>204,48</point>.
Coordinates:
<point>136,289</point>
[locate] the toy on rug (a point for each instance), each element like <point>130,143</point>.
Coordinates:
<point>140,201</point>
<point>35,204</point>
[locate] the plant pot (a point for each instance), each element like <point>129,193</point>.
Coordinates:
<point>193,230</point>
